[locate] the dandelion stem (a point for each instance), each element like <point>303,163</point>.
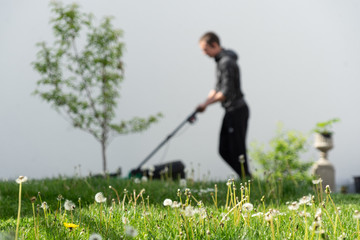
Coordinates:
<point>18,216</point>
<point>100,214</point>
<point>321,192</point>
<point>306,226</point>
<point>227,197</point>
<point>259,185</point>
<point>60,206</point>
<point>33,207</point>
<point>294,225</point>
<point>123,203</point>
<point>328,215</point>
<point>337,213</point>
<point>117,195</point>
<point>216,196</point>
<point>272,229</point>
<point>80,211</point>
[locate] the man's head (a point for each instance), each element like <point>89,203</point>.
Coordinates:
<point>210,44</point>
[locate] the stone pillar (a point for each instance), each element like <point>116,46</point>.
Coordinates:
<point>323,167</point>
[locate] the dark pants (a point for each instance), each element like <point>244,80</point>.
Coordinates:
<point>233,139</point>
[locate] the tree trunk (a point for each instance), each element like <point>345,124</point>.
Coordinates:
<point>103,151</point>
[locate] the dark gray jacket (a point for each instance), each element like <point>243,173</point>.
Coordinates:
<point>228,79</point>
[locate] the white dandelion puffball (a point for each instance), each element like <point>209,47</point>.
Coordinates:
<point>69,205</point>
<point>99,197</point>
<point>95,236</point>
<point>189,211</point>
<point>294,206</point>
<point>268,217</point>
<point>175,204</point>
<point>144,179</point>
<point>44,205</point>
<point>130,231</point>
<point>247,207</point>
<point>317,181</point>
<point>167,202</point>
<point>182,182</point>
<point>305,200</point>
<point>21,179</point>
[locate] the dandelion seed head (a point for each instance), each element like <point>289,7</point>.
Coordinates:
<point>228,182</point>
<point>60,197</point>
<point>327,189</point>
<point>242,159</point>
<point>247,207</point>
<point>304,214</point>
<point>317,181</point>
<point>130,231</point>
<point>99,197</point>
<point>137,180</point>
<point>21,179</point>
<point>182,182</point>
<point>189,211</point>
<point>69,205</point>
<point>316,226</point>
<point>202,213</point>
<point>44,205</point>
<point>144,179</point>
<point>268,217</point>
<point>152,169</point>
<point>95,236</point>
<point>167,202</point>
<point>305,200</point>
<point>294,206</point>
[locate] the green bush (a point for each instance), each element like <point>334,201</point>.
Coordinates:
<point>282,161</point>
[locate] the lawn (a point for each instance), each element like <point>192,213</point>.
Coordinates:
<point>111,208</point>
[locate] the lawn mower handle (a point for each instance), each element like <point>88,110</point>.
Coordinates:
<point>191,119</point>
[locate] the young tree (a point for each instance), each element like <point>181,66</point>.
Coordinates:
<point>83,84</point>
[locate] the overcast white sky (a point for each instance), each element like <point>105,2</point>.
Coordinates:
<point>300,65</point>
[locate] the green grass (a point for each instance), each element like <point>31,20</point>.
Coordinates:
<point>209,212</point>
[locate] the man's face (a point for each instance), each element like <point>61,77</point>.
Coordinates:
<point>209,50</point>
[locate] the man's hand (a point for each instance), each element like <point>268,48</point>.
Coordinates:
<point>201,107</point>
<point>213,97</point>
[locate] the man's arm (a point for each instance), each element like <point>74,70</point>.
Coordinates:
<point>213,97</point>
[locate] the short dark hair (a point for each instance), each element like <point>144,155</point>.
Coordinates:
<point>210,38</point>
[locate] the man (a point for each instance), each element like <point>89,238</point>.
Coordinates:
<point>232,146</point>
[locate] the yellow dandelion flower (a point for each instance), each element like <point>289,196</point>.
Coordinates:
<point>71,225</point>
